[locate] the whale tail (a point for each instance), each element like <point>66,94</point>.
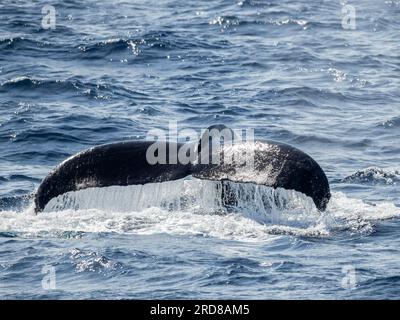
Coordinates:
<point>268,163</point>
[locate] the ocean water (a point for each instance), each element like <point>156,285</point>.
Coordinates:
<point>113,70</point>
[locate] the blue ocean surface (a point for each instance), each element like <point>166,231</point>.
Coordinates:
<point>299,72</point>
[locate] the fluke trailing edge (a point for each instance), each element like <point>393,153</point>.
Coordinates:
<point>268,163</point>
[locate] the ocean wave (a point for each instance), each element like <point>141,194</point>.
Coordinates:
<point>381,287</point>
<point>28,83</point>
<point>47,156</point>
<point>147,222</point>
<point>225,21</point>
<point>296,22</point>
<point>92,261</point>
<point>303,95</point>
<point>103,48</point>
<point>300,138</point>
<point>39,135</point>
<point>228,21</point>
<point>99,91</point>
<point>355,216</point>
<point>16,203</point>
<point>374,176</point>
<point>392,123</point>
<point>256,3</point>
<point>10,42</point>
<point>147,46</point>
<point>22,177</point>
<point>21,43</point>
<point>393,3</point>
<point>197,211</point>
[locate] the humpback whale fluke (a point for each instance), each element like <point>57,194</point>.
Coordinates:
<point>273,164</point>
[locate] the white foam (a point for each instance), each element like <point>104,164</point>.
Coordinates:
<point>352,210</point>
<point>231,226</point>
<point>194,207</point>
